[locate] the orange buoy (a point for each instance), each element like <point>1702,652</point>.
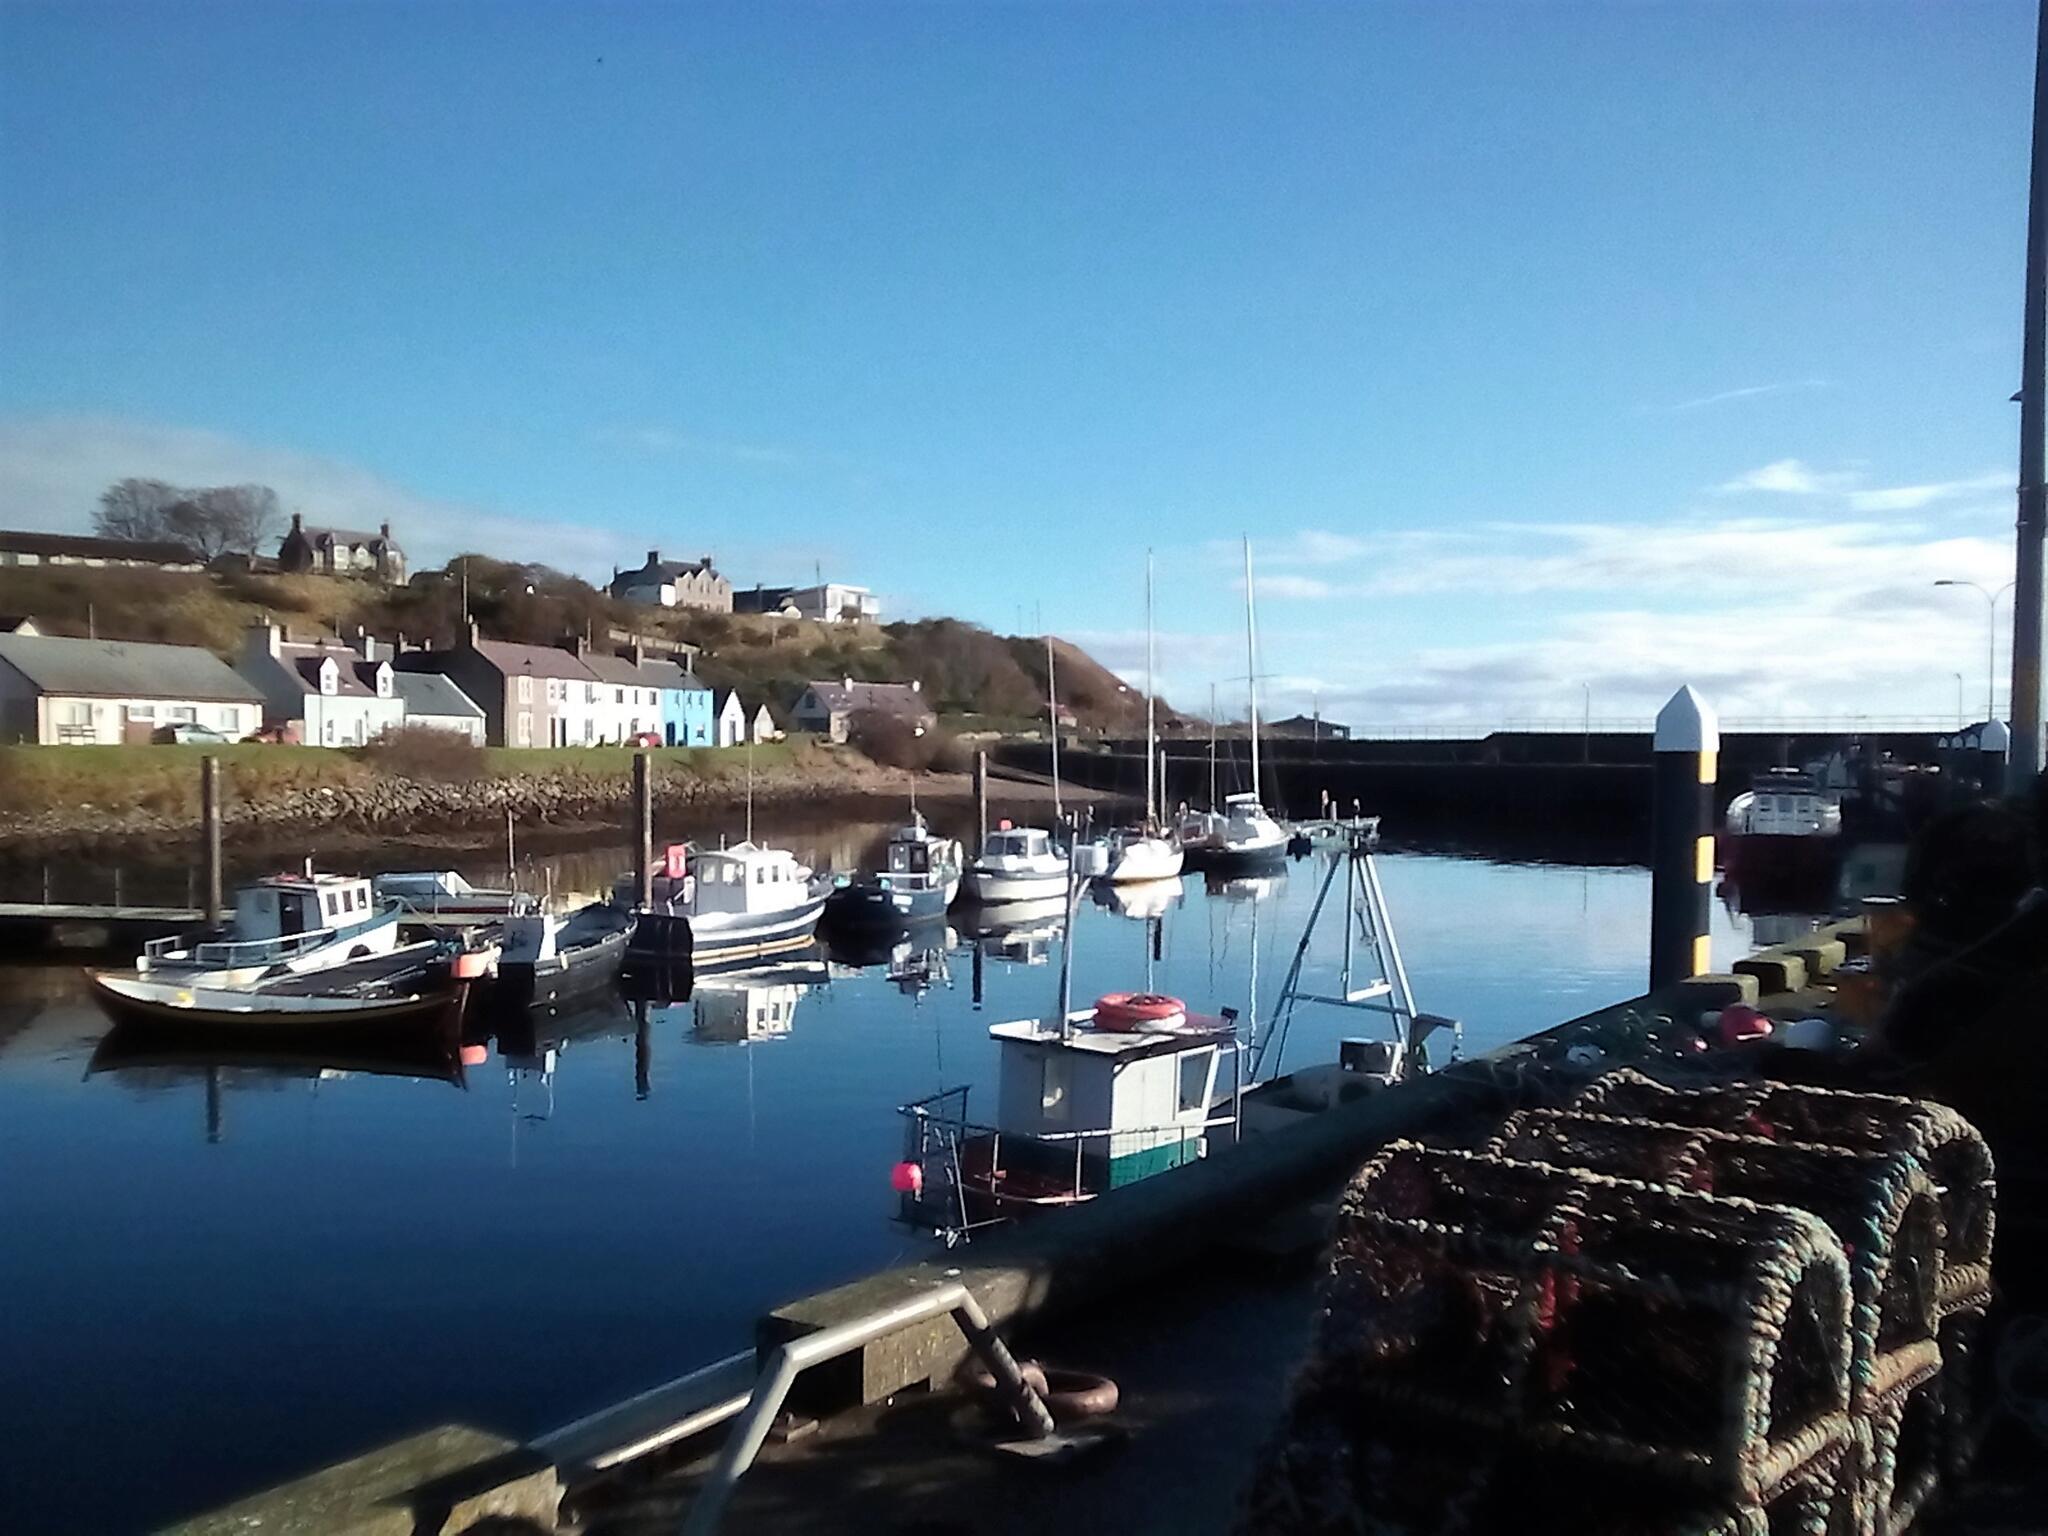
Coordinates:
<point>1129,1010</point>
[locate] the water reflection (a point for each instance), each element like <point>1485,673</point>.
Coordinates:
<point>752,1005</point>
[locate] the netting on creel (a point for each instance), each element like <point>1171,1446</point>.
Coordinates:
<point>1340,1466</point>
<point>1881,1205</point>
<point>1695,1338</point>
<point>1943,1142</point>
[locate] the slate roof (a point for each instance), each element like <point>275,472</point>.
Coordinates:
<point>669,674</point>
<point>515,660</point>
<point>86,547</point>
<point>432,693</point>
<point>303,662</point>
<point>843,697</point>
<point>608,668</point>
<point>122,669</point>
<point>346,536</point>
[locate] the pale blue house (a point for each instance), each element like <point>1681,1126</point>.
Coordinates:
<point>685,705</point>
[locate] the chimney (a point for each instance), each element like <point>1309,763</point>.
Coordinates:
<point>707,562</point>
<point>637,653</point>
<point>369,647</point>
<point>472,634</point>
<point>847,683</point>
<point>398,648</point>
<point>298,522</point>
<point>263,639</point>
<point>653,558</point>
<point>384,530</point>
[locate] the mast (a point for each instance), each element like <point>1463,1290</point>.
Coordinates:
<point>1151,730</point>
<point>2033,490</point>
<point>1212,747</point>
<point>1052,716</point>
<point>1251,661</point>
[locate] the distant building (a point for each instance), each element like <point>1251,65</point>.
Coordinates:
<point>729,728</point>
<point>685,704</point>
<point>674,584</point>
<point>627,702</point>
<point>761,727</point>
<point>1308,726</point>
<point>831,602</point>
<point>531,695</point>
<point>58,691</point>
<point>435,702</point>
<point>320,693</point>
<point>19,548</point>
<point>342,552</point>
<point>827,708</point>
<point>18,624</point>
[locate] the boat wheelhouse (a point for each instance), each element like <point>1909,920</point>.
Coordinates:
<point>444,897</point>
<point>282,924</point>
<point>1785,830</point>
<point>1016,864</point>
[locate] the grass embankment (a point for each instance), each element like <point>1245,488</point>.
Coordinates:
<point>164,780</point>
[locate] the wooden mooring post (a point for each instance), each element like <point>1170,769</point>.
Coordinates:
<point>980,801</point>
<point>643,824</point>
<point>209,819</point>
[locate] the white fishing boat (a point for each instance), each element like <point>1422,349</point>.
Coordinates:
<point>1015,864</point>
<point>184,1003</point>
<point>713,904</point>
<point>283,925</point>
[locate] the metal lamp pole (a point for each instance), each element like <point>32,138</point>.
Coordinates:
<point>2032,522</point>
<point>1990,639</point>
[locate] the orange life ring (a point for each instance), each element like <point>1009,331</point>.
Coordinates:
<point>1128,1010</point>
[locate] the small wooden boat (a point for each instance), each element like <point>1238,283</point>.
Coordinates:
<point>282,924</point>
<point>545,958</point>
<point>142,1000</point>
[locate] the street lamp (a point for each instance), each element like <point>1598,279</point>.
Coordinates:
<point>1990,639</point>
<point>1959,701</point>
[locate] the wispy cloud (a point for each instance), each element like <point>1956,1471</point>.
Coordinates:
<point>1316,547</point>
<point>666,441</point>
<point>1910,498</point>
<point>1795,477</point>
<point>1284,586</point>
<point>53,468</point>
<point>1748,392</point>
<point>1788,477</point>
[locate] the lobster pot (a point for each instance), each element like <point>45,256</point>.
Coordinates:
<point>1697,1339</point>
<point>1339,1465</point>
<point>1947,1145</point>
<point>1881,1205</point>
<point>1964,1392</point>
<point>1899,1451</point>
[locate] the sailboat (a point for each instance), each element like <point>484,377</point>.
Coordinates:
<point>1146,854</point>
<point>1023,863</point>
<point>1247,840</point>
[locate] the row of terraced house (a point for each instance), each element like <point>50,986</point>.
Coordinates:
<point>58,690</point>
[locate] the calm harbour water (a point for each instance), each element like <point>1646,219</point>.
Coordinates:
<point>213,1280</point>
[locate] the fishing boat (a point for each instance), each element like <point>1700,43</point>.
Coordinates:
<point>546,957</point>
<point>444,896</point>
<point>715,904</point>
<point>282,924</point>
<point>187,1004</point>
<point>1016,864</point>
<point>920,881</point>
<point>1785,830</point>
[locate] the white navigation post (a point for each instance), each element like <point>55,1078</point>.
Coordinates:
<point>1687,749</point>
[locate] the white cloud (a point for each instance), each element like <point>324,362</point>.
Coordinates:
<point>1285,586</point>
<point>1789,477</point>
<point>1749,392</point>
<point>1910,498</point>
<point>666,440</point>
<point>1310,546</point>
<point>53,468</point>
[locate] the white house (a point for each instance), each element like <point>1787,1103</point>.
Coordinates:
<point>435,702</point>
<point>323,693</point>
<point>761,726</point>
<point>830,602</point>
<point>729,725</point>
<point>55,690</point>
<point>626,703</point>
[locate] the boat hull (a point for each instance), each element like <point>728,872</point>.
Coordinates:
<point>999,885</point>
<point>1240,858</point>
<point>175,1004</point>
<point>575,972</point>
<point>666,939</point>
<point>876,908</point>
<point>1150,859</point>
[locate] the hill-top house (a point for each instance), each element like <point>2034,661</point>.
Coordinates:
<point>831,602</point>
<point>674,584</point>
<point>342,552</point>
<point>56,691</point>
<point>828,708</point>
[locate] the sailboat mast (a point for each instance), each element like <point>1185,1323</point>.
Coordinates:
<point>1251,666</point>
<point>1212,746</point>
<point>1151,730</point>
<point>1052,715</point>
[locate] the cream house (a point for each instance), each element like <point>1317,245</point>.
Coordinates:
<point>59,691</point>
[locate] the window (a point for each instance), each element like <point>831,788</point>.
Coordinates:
<point>182,712</point>
<point>554,690</point>
<point>525,689</point>
<point>330,678</point>
<point>327,732</point>
<point>1054,1099</point>
<point>618,695</point>
<point>524,730</point>
<point>1196,1068</point>
<point>333,905</point>
<point>141,711</point>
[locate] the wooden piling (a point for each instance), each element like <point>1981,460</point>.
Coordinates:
<point>643,824</point>
<point>1687,748</point>
<point>209,819</point>
<point>980,800</point>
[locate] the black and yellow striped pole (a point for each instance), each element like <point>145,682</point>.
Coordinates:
<point>1687,748</point>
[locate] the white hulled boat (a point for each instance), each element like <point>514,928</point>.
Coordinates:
<point>713,904</point>
<point>1015,864</point>
<point>1249,838</point>
<point>1144,853</point>
<point>283,925</point>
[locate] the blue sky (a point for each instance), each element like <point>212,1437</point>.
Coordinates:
<point>1538,347</point>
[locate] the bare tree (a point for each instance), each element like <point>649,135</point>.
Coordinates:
<point>136,509</point>
<point>216,520</point>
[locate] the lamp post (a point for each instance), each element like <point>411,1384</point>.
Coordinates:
<point>1960,722</point>
<point>1990,638</point>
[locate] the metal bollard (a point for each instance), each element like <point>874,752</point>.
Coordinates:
<point>1687,748</point>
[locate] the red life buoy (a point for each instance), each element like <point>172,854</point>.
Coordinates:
<point>1128,1010</point>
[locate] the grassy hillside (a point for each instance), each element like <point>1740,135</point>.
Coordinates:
<point>965,670</point>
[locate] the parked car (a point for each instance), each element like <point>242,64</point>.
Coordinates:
<point>187,734</point>
<point>645,739</point>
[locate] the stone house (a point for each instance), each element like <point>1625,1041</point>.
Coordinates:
<point>674,584</point>
<point>342,552</point>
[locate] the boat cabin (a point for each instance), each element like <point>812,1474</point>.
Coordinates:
<point>1105,1108</point>
<point>283,905</point>
<point>1017,843</point>
<point>745,878</point>
<point>916,857</point>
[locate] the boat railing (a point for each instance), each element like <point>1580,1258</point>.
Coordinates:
<point>233,952</point>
